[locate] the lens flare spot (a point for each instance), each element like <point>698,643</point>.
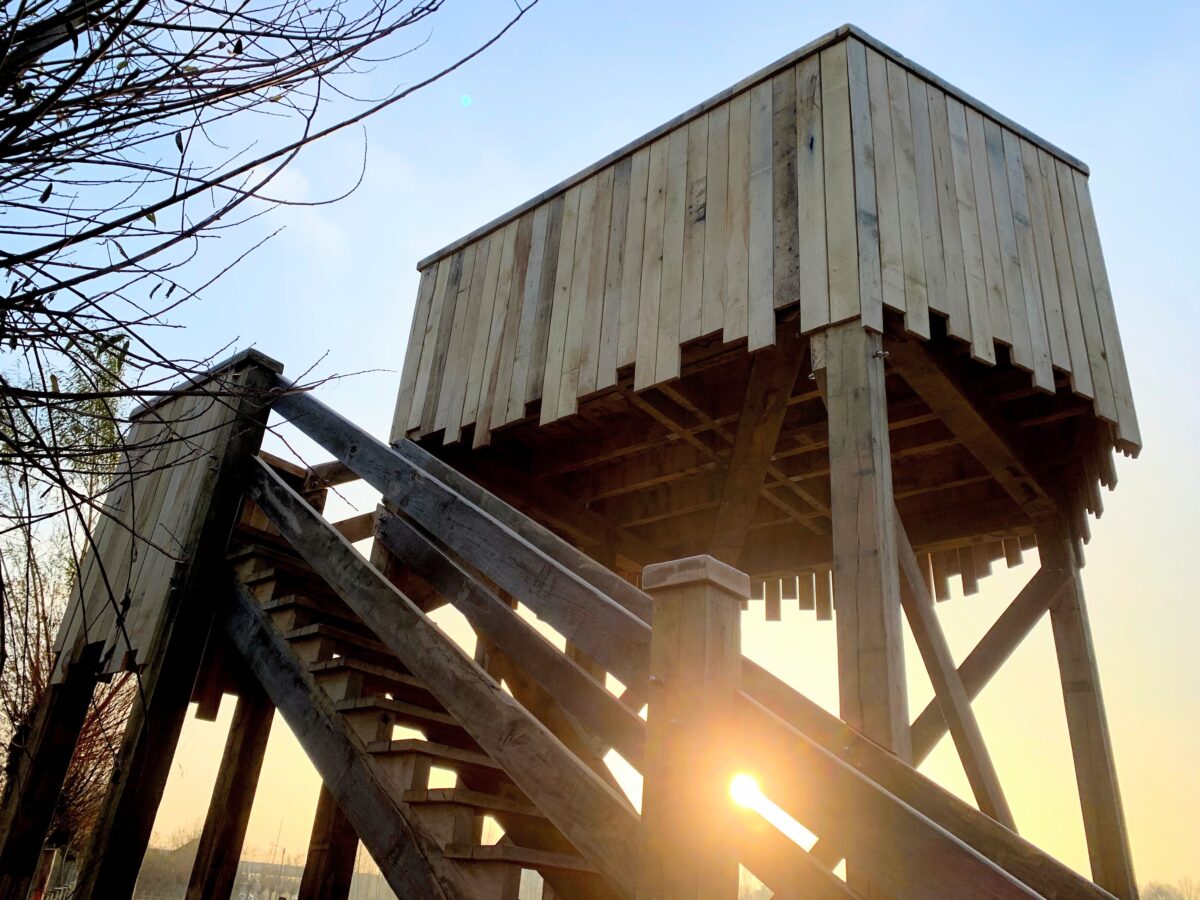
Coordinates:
<point>465,100</point>
<point>745,791</point>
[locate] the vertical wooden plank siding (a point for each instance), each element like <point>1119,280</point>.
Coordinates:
<point>589,355</point>
<point>610,320</point>
<point>577,307</point>
<point>916,300</point>
<point>529,310</point>
<point>552,376</point>
<point>694,227</point>
<point>785,265</point>
<point>1106,406</point>
<point>810,196</point>
<point>666,358</point>
<point>412,356</point>
<point>716,291</point>
<point>843,184</point>
<point>737,236</point>
<point>870,287</point>
<point>990,242</point>
<point>652,257</point>
<point>1056,333</point>
<point>631,275</point>
<point>887,191</point>
<point>541,322</point>
<point>1127,423</point>
<point>1081,374</point>
<point>840,211</point>
<point>512,325</point>
<point>1035,317</point>
<point>958,304</point>
<point>1010,262</point>
<point>760,324</point>
<point>980,329</point>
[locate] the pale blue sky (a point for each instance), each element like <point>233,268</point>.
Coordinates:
<point>1115,84</point>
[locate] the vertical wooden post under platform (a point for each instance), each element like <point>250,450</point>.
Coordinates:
<point>329,866</point>
<point>122,831</point>
<point>872,688</point>
<point>1087,723</point>
<point>215,869</point>
<point>37,771</point>
<point>695,665</point>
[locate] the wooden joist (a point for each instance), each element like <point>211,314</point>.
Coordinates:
<point>598,822</point>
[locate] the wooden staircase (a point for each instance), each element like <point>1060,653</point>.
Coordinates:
<point>375,694</point>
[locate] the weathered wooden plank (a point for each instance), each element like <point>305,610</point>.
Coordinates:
<point>1035,316</point>
<point>437,368</point>
<point>473,399</point>
<point>716,222</point>
<point>652,254</point>
<point>1127,423</point>
<point>870,287</point>
<point>993,271</point>
<point>581,272</point>
<point>783,866</point>
<point>811,200</point>
<point>589,354</point>
<point>591,815</point>
<point>462,354</point>
<point>457,363</point>
<point>332,847</point>
<point>1106,405</point>
<point>560,309</point>
<point>530,297</point>
<point>1080,368</point>
<point>785,266</point>
<point>670,301</point>
<point>948,686</point>
<point>887,190</point>
<point>541,326</point>
<point>579,694</point>
<point>610,320</point>
<point>428,346</point>
<point>968,223</point>
<point>412,356</point>
<point>1035,192</point>
<point>958,321</point>
<point>1010,260</point>
<point>912,237</point>
<point>413,866</point>
<point>631,276</point>
<point>506,360</point>
<point>737,234</point>
<point>760,273</point>
<point>501,321</point>
<point>694,227</point>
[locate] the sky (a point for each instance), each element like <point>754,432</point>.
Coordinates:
<point>1115,84</point>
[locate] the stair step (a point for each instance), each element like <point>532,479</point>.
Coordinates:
<point>318,609</point>
<point>473,799</point>
<point>388,674</point>
<point>346,643</point>
<point>404,713</point>
<point>525,857</point>
<point>444,756</point>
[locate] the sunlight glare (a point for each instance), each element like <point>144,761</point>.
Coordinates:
<point>745,791</point>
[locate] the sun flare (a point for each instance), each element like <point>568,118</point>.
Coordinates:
<point>745,791</point>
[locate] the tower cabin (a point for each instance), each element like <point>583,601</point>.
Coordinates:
<point>838,337</point>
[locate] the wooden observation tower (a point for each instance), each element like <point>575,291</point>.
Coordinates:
<point>834,337</point>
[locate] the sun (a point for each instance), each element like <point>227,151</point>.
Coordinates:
<point>745,791</point>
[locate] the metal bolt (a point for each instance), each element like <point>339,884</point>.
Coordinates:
<point>658,680</point>
<point>812,376</point>
<point>881,354</point>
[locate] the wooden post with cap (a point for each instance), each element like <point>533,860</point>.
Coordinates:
<point>695,665</point>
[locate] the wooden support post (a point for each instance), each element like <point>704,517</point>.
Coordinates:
<point>695,661</point>
<point>122,831</point>
<point>329,866</point>
<point>37,768</point>
<point>1087,722</point>
<point>215,868</point>
<point>872,688</point>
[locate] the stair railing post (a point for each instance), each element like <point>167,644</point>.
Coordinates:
<point>695,665</point>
